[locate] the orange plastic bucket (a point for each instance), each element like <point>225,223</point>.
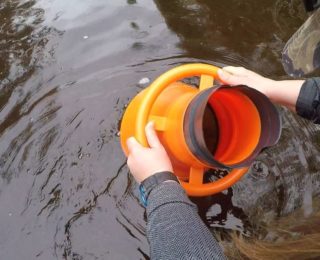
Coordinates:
<point>209,127</point>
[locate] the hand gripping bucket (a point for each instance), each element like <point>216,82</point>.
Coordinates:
<point>201,128</point>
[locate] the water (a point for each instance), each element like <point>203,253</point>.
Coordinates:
<point>68,69</point>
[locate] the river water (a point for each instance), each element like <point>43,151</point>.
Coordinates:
<point>68,69</point>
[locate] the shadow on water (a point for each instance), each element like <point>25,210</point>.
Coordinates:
<point>68,69</point>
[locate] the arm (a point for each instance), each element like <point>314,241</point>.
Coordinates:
<point>300,96</point>
<point>283,92</point>
<point>174,228</point>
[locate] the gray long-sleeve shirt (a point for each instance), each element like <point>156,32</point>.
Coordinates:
<point>174,229</point>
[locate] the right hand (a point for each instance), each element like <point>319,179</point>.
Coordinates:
<point>240,76</point>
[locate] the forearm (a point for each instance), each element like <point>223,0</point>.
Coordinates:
<point>174,229</point>
<point>301,96</point>
<point>285,92</point>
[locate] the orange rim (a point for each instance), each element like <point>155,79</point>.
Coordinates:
<point>195,186</point>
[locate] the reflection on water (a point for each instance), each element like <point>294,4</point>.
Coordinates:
<point>247,33</point>
<point>67,70</point>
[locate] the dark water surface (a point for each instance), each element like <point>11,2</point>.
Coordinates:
<point>68,68</point>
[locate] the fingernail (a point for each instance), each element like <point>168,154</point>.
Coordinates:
<point>220,72</point>
<point>150,123</point>
<point>131,139</point>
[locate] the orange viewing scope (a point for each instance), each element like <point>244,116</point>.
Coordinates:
<point>213,126</point>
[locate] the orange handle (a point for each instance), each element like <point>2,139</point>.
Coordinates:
<point>160,84</point>
<point>195,186</point>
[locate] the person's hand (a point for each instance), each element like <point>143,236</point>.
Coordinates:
<point>144,162</point>
<point>240,76</point>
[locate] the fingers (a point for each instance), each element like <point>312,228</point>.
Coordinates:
<point>152,136</point>
<point>227,77</point>
<point>223,75</point>
<point>232,75</point>
<point>237,71</point>
<point>132,144</point>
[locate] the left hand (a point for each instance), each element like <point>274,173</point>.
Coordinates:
<point>144,161</point>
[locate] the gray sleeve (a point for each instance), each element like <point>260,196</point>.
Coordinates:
<point>174,228</point>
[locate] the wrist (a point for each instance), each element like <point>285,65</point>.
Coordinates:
<point>285,92</point>
<point>152,182</point>
<point>271,89</point>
